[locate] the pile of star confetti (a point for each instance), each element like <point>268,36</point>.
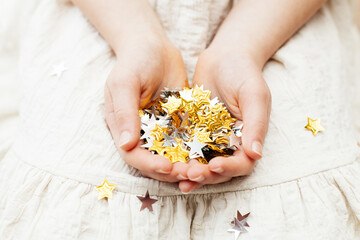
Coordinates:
<point>187,124</point>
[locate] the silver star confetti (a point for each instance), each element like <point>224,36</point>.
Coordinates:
<point>58,70</point>
<point>239,225</point>
<point>195,148</point>
<point>169,141</point>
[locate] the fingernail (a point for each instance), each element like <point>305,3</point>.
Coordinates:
<point>124,138</point>
<point>217,170</point>
<point>198,179</point>
<point>181,177</point>
<point>257,147</point>
<point>162,171</point>
<point>185,192</point>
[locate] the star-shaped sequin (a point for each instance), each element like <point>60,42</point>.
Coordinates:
<point>314,126</point>
<point>172,104</point>
<point>147,202</point>
<point>186,94</point>
<point>195,148</point>
<point>239,225</point>
<point>105,190</point>
<point>169,141</point>
<point>58,70</point>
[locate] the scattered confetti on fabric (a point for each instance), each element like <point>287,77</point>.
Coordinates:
<point>187,124</point>
<point>314,126</point>
<point>105,190</point>
<point>239,224</point>
<point>147,202</point>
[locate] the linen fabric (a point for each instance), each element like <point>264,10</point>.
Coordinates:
<point>304,187</point>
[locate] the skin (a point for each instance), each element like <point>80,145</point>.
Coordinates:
<point>231,67</point>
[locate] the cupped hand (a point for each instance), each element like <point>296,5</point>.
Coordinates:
<point>236,79</point>
<point>144,66</point>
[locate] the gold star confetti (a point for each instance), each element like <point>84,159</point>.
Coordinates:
<point>314,126</point>
<point>179,118</point>
<point>172,104</point>
<point>105,190</point>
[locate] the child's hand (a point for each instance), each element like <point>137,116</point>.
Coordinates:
<point>237,80</point>
<point>145,65</point>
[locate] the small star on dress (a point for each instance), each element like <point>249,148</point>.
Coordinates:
<point>105,190</point>
<point>147,202</point>
<point>239,225</point>
<point>58,70</point>
<point>314,126</point>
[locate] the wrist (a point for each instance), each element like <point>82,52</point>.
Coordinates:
<point>226,45</point>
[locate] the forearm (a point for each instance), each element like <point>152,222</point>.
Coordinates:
<point>121,20</point>
<point>259,28</point>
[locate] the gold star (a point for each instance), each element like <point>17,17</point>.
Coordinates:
<point>203,136</point>
<point>200,94</point>
<point>314,126</point>
<point>157,132</point>
<point>172,104</point>
<point>158,147</point>
<point>176,154</point>
<point>105,190</point>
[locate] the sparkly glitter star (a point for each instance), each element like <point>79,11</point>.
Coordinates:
<point>157,146</point>
<point>147,202</point>
<point>195,148</point>
<point>105,190</point>
<point>176,154</point>
<point>239,225</point>
<point>172,104</point>
<point>314,126</point>
<point>199,93</point>
<point>148,144</point>
<point>169,141</point>
<point>58,70</point>
<point>186,94</point>
<point>234,140</point>
<point>203,136</point>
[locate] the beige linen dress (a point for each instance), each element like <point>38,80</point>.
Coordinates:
<point>59,147</point>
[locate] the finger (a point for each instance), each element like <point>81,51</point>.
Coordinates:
<point>255,108</point>
<point>145,161</point>
<point>201,173</point>
<point>237,165</point>
<point>180,170</point>
<point>110,116</point>
<point>160,177</point>
<point>187,186</point>
<point>125,95</point>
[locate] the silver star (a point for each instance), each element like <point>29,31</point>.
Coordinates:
<point>145,119</point>
<point>169,141</point>
<point>195,148</point>
<point>239,227</point>
<point>187,95</point>
<point>214,101</point>
<point>234,140</point>
<point>58,70</point>
<point>149,143</point>
<point>238,130</point>
<point>147,132</point>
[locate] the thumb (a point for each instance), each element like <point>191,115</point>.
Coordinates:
<point>255,107</point>
<point>125,95</point>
